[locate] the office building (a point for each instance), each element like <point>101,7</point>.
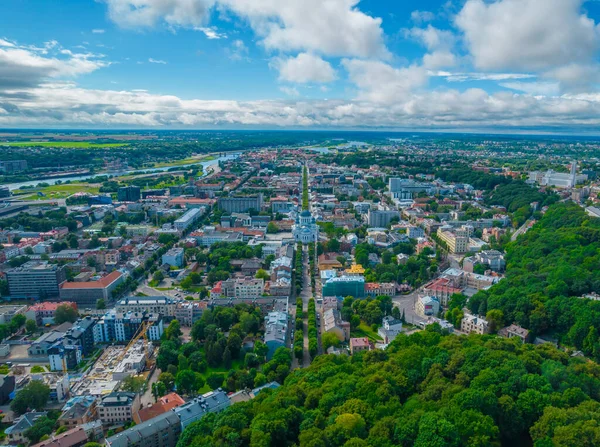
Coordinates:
<point>129,194</point>
<point>185,221</point>
<point>240,204</point>
<point>9,166</point>
<point>381,218</point>
<point>344,286</point>
<point>38,280</point>
<point>405,189</point>
<point>87,294</point>
<point>173,257</point>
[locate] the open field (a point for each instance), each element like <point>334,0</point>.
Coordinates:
<point>67,144</point>
<point>56,191</point>
<point>365,331</point>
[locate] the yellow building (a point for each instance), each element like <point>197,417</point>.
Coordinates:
<point>355,270</point>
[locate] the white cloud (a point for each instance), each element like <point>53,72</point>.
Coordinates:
<point>157,61</point>
<point>290,91</point>
<point>575,77</point>
<point>211,32</point>
<point>65,105</point>
<point>6,43</point>
<point>527,35</point>
<point>439,43</point>
<point>463,77</point>
<point>421,16</point>
<point>146,13</point>
<point>331,27</point>
<point>98,31</point>
<point>304,68</point>
<point>26,65</point>
<point>381,83</point>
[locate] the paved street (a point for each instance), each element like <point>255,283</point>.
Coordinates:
<point>406,304</point>
<point>305,295</point>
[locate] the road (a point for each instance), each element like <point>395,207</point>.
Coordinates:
<point>522,230</point>
<point>305,295</point>
<point>406,304</point>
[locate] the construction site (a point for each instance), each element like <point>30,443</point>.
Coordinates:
<point>115,364</point>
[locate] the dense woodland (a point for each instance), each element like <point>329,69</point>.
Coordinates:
<point>549,269</point>
<point>425,390</point>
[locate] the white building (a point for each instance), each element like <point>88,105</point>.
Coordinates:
<point>184,222</point>
<point>473,323</point>
<point>427,306</point>
<point>305,230</point>
<point>390,329</point>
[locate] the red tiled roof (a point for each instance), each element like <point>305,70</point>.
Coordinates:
<point>100,284</point>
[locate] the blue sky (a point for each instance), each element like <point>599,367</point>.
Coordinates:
<point>429,64</point>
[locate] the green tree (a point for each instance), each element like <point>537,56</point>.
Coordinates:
<point>100,304</point>
<point>272,228</point>
<point>215,381</point>
<point>185,381</point>
<point>133,384</point>
<point>65,313</point>
<point>41,427</point>
<point>495,318</point>
<point>31,326</point>
<point>34,395</point>
<point>262,274</point>
<point>167,379</point>
<point>173,331</point>
<point>329,339</point>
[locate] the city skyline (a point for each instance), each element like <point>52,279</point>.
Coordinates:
<point>507,66</point>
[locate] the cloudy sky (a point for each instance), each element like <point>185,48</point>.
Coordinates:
<point>474,65</point>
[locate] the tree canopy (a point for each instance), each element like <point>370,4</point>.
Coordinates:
<point>426,389</point>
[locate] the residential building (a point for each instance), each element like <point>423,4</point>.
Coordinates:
<point>333,323</point>
<point>162,405</point>
<point>379,289</point>
<point>7,312</point>
<point>390,329</point>
<point>129,194</point>
<point>185,221</point>
<point>197,408</point>
<point>405,189</point>
<point>514,330</point>
<point>15,434</point>
<point>64,355</point>
<point>243,288</point>
<point>381,218</point>
<point>359,344</point>
<point>76,437</point>
<point>39,280</point>
<point>158,305</point>
<point>343,286</point>
<point>82,334</point>
<point>473,323</point>
<point>427,306</point>
<point>77,411</point>
<point>118,326</point>
<point>43,313</point>
<point>414,232</point>
<point>276,332</point>
<point>58,384</point>
<point>492,259</point>
<point>87,294</point>
<point>118,408</point>
<point>173,257</point>
<point>456,240</point>
<point>188,312</point>
<point>162,431</point>
<point>240,204</point>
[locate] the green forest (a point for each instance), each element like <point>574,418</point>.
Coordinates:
<point>549,269</point>
<point>426,390</point>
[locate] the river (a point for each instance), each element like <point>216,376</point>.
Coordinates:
<point>75,178</point>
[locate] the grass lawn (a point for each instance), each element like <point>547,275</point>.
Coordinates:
<point>184,161</point>
<point>365,331</point>
<point>57,191</point>
<point>67,144</point>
